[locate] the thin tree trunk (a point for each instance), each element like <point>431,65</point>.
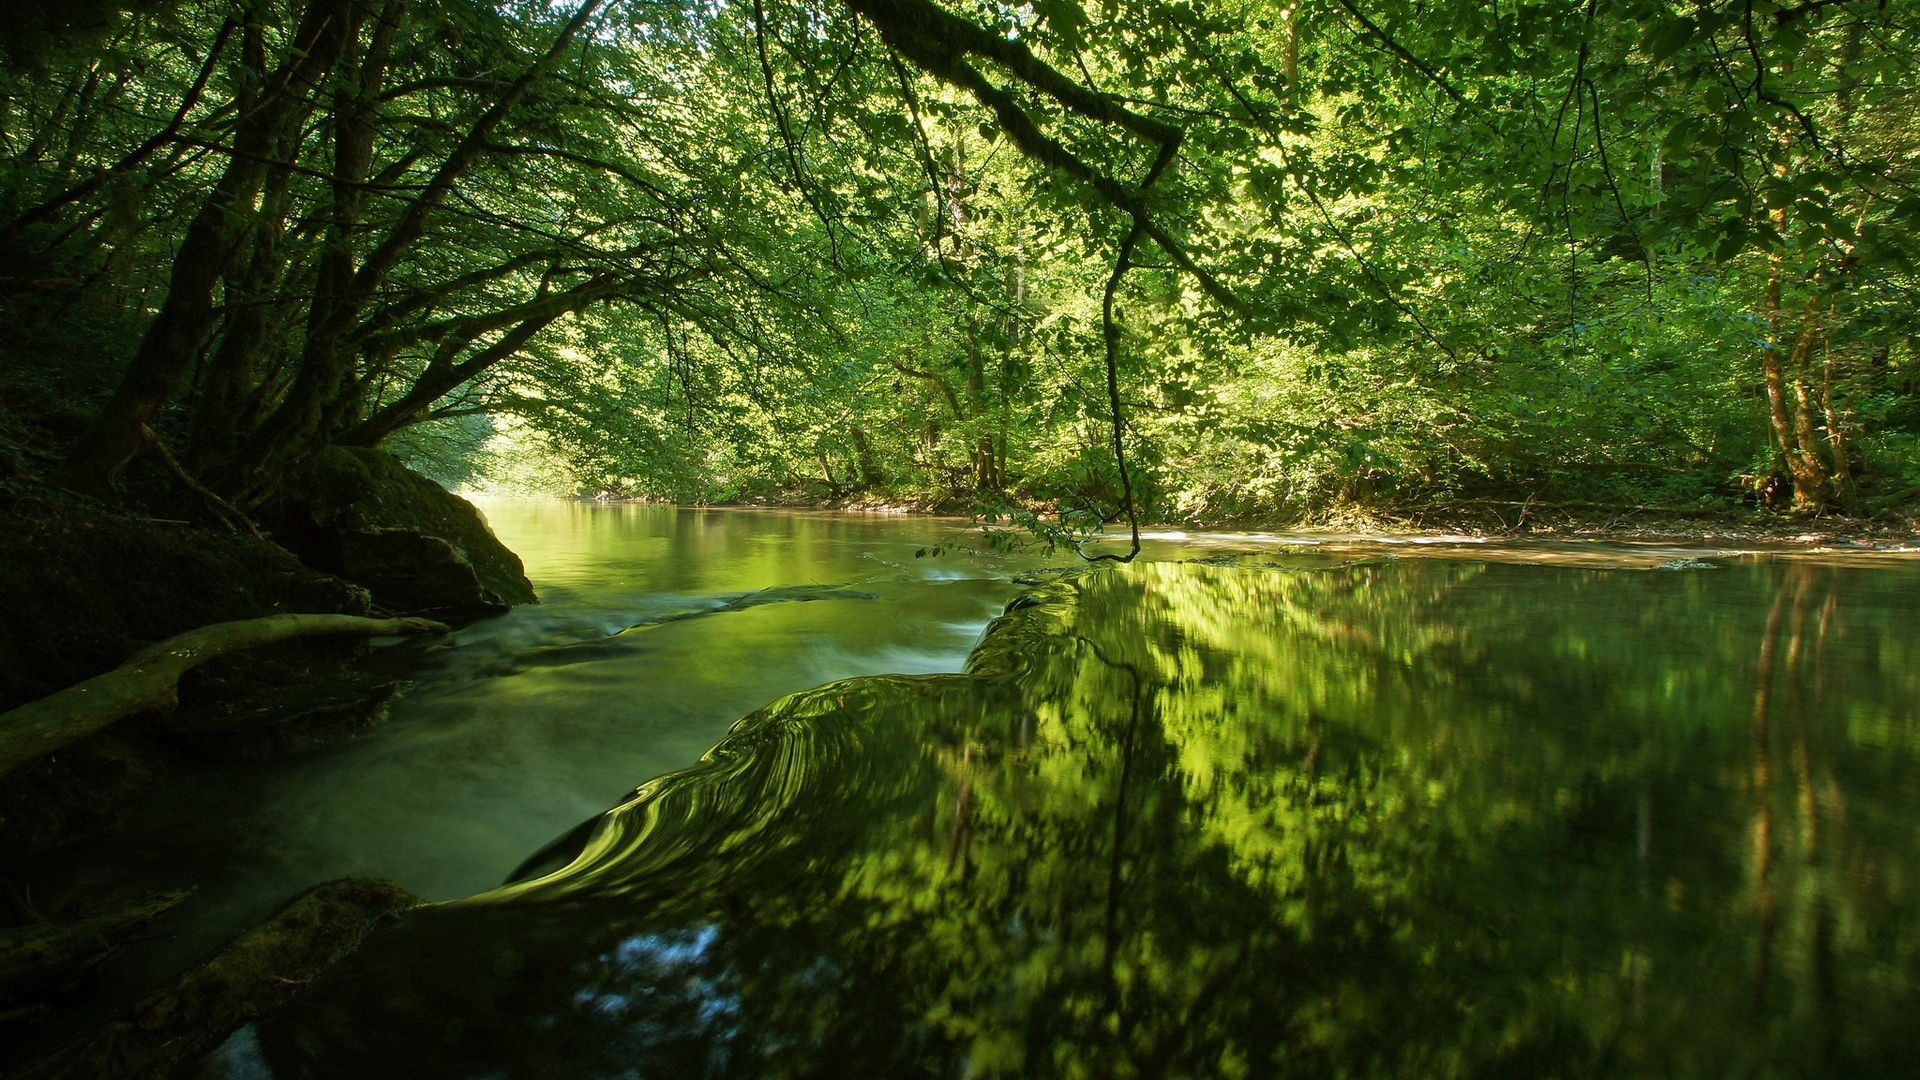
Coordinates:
<point>227,377</point>
<point>1783,370</point>
<point>1812,478</point>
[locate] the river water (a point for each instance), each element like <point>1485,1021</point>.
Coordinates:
<point>516,728</point>
<point>1435,807</point>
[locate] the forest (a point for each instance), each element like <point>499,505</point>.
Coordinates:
<point>1520,685</point>
<point>1235,261</point>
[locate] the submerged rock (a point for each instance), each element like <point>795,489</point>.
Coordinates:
<point>249,976</point>
<point>415,546</point>
<point>779,594</point>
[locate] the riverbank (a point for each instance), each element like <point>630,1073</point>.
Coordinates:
<point>1501,519</point>
<point>86,585</point>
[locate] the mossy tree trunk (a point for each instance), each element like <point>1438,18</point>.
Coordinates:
<point>188,315</point>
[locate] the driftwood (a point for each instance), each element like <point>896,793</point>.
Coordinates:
<point>150,679</point>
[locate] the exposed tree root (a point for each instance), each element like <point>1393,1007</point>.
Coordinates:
<point>223,509</point>
<point>150,679</point>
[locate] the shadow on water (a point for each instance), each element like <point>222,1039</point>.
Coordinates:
<point>1401,819</point>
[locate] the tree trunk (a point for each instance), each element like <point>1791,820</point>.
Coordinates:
<point>871,478</point>
<point>326,361</point>
<point>187,316</point>
<point>226,379</point>
<point>1784,368</point>
<point>1790,406</point>
<point>303,421</point>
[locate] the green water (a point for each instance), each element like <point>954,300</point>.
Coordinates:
<point>513,729</point>
<point>1401,818</point>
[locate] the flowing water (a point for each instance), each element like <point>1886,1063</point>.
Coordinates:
<point>1551,811</point>
<point>652,637</point>
<point>1428,808</point>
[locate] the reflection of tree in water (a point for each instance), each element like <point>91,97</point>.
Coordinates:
<point>1823,895</point>
<point>1390,820</point>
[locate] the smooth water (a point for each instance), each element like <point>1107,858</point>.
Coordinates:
<point>1397,818</point>
<point>518,727</point>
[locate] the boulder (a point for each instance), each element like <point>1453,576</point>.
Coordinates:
<point>416,547</point>
<point>84,586</point>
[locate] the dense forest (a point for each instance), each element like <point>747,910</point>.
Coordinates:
<point>276,275</point>
<point>1239,260</point>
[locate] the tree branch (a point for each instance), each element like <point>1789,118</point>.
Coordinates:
<point>150,679</point>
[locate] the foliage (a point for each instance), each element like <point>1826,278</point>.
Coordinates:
<point>1383,255</point>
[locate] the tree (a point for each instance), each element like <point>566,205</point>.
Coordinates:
<point>1336,253</point>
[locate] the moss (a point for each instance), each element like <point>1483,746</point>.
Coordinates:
<point>362,514</point>
<point>84,585</point>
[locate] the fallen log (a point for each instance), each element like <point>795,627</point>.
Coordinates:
<point>151,678</point>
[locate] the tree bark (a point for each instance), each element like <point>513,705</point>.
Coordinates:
<point>188,315</point>
<point>326,361</point>
<point>1789,405</point>
<point>150,679</point>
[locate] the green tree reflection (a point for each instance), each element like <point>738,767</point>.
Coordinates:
<point>1390,820</point>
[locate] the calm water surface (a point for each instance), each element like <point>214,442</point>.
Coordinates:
<point>519,727</point>
<point>1636,812</point>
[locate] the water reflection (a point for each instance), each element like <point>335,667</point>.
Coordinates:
<point>517,727</point>
<point>1405,819</point>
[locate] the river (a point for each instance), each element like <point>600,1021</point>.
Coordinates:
<point>1435,807</point>
<point>516,728</point>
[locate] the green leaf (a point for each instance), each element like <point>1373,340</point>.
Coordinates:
<point>1067,21</point>
<point>1667,38</point>
<point>1732,242</point>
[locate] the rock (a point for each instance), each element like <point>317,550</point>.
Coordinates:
<point>779,594</point>
<point>306,714</point>
<point>251,975</point>
<point>411,571</point>
<point>416,547</point>
<point>85,586</point>
<point>44,958</point>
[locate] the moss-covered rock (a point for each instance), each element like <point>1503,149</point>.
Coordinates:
<point>252,975</point>
<point>362,515</point>
<point>84,586</point>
